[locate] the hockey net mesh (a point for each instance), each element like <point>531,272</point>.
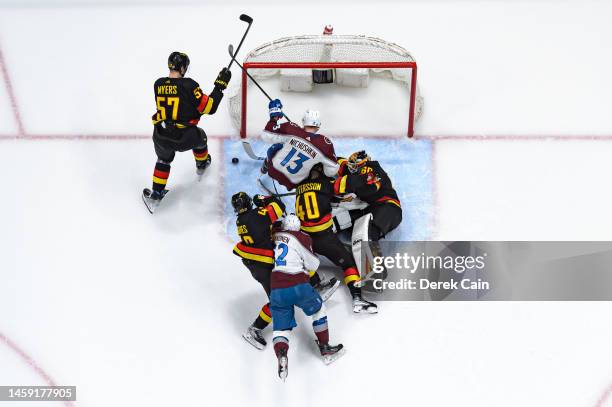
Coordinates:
<point>326,49</point>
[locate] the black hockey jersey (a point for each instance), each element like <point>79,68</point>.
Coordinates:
<point>371,184</point>
<point>181,102</point>
<point>313,204</point>
<point>254,230</point>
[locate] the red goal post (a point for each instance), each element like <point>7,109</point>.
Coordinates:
<point>343,52</point>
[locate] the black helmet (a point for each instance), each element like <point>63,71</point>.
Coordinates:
<point>241,202</point>
<point>178,60</point>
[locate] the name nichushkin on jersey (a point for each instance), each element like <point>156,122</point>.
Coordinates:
<point>304,147</point>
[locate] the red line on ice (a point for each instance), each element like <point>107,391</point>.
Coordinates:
<point>11,94</point>
<point>28,360</point>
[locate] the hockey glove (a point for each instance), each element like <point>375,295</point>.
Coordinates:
<point>261,201</point>
<point>223,79</point>
<point>275,108</point>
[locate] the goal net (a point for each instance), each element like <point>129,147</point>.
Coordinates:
<point>334,68</point>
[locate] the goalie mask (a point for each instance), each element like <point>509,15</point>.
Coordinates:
<point>357,160</point>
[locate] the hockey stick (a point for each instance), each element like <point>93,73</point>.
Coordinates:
<point>249,21</point>
<point>246,145</point>
<point>273,193</point>
<point>230,49</point>
<point>249,150</point>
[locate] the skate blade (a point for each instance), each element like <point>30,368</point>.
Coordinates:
<point>362,310</point>
<point>150,204</point>
<point>328,359</point>
<point>253,342</point>
<point>200,174</point>
<point>283,370</point>
<point>327,295</point>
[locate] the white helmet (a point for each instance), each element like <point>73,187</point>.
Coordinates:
<point>291,222</point>
<point>311,118</point>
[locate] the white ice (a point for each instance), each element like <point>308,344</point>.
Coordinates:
<point>140,310</point>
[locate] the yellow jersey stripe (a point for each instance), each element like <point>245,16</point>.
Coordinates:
<point>255,257</point>
<point>277,209</point>
<point>318,228</point>
<point>208,107</point>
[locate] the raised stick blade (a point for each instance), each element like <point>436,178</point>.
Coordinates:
<point>246,18</point>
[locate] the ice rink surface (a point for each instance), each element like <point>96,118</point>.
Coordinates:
<point>134,309</point>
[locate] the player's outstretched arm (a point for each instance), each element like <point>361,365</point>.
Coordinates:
<point>208,104</point>
<point>272,133</point>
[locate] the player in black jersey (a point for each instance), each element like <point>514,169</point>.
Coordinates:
<point>256,251</point>
<point>313,206</point>
<point>180,104</point>
<point>370,183</point>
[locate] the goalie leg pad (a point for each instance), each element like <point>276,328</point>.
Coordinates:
<point>342,218</point>
<point>361,252</point>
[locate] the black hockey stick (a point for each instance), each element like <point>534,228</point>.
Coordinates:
<point>249,21</point>
<point>274,193</point>
<point>230,49</point>
<point>245,143</point>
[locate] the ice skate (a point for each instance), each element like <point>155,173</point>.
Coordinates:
<point>283,365</point>
<point>326,288</point>
<point>201,167</point>
<point>361,306</point>
<point>331,353</point>
<point>152,199</point>
<point>255,337</point>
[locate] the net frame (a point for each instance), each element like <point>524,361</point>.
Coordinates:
<point>366,52</point>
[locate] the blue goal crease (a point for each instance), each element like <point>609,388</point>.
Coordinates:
<point>408,163</point>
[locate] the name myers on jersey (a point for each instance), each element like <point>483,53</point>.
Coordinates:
<point>303,147</point>
<point>167,90</point>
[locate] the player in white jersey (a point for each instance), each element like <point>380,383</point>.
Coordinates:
<point>295,150</point>
<point>293,259</point>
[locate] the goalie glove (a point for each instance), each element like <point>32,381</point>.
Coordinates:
<point>275,108</point>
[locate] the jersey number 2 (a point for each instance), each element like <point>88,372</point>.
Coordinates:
<point>297,162</point>
<point>280,257</point>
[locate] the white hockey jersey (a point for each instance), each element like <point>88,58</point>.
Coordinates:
<point>300,151</point>
<point>293,259</point>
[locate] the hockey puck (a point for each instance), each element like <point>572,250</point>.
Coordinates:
<point>235,160</point>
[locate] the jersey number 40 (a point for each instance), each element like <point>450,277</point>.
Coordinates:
<point>306,207</point>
